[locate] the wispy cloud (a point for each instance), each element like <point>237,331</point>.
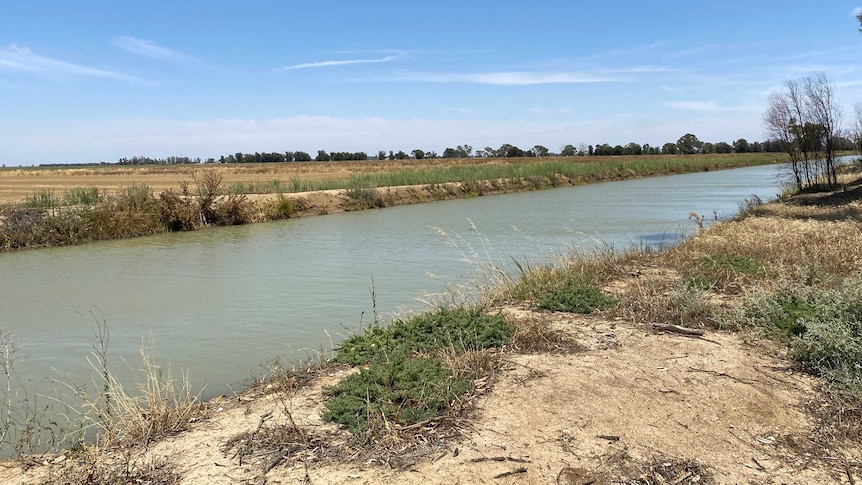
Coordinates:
<point>708,106</point>
<point>347,62</point>
<point>508,78</point>
<point>22,59</point>
<point>711,106</point>
<point>148,48</point>
<point>856,11</point>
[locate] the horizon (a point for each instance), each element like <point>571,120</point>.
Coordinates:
<point>96,81</point>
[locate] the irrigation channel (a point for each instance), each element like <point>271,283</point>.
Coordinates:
<point>218,303</point>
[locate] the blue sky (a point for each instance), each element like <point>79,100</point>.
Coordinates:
<point>88,80</point>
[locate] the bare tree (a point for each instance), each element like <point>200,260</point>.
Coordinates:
<point>825,114</point>
<point>805,118</point>
<point>855,131</point>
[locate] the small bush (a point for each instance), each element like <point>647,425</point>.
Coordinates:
<point>279,208</point>
<point>235,209</point>
<point>416,370</point>
<point>365,197</point>
<point>575,299</point>
<point>460,329</point>
<point>831,344</point>
<point>178,211</point>
<point>401,391</point>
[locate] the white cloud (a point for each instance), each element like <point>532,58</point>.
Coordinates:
<point>336,63</point>
<point>22,59</point>
<point>856,11</point>
<point>148,48</point>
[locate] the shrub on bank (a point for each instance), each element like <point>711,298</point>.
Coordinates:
<point>407,375</point>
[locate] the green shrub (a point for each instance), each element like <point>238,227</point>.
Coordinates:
<point>457,329</point>
<point>575,299</point>
<point>782,312</point>
<point>405,380</point>
<point>401,391</point>
<point>831,344</point>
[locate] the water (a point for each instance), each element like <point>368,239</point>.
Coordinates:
<point>219,303</point>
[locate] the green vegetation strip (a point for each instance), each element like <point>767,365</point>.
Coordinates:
<point>579,170</point>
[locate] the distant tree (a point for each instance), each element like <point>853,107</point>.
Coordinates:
<point>568,151</point>
<point>723,147</point>
<point>688,144</point>
<point>633,149</point>
<point>707,148</point>
<point>418,154</point>
<point>590,150</point>
<point>450,153</point>
<point>302,157</point>
<point>741,146</point>
<point>400,155</point>
<point>288,156</point>
<point>669,149</point>
<point>381,155</point>
<point>540,151</point>
<point>238,157</point>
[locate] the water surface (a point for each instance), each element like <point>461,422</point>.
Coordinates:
<point>220,302</point>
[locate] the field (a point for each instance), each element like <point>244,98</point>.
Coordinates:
<point>16,184</point>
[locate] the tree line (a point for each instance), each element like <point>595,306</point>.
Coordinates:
<point>688,144</point>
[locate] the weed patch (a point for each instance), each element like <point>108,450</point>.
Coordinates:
<point>415,370</point>
<point>575,299</point>
<point>457,329</point>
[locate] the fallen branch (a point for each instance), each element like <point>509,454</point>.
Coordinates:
<point>513,472</point>
<point>500,458</point>
<point>669,327</point>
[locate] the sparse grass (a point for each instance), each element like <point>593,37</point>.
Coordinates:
<point>42,199</point>
<point>93,467</point>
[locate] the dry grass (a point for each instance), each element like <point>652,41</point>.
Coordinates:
<point>94,467</point>
<point>537,335</point>
<point>784,246</point>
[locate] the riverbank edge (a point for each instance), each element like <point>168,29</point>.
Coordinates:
<point>178,211</point>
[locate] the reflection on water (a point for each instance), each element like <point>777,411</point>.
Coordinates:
<point>220,302</point>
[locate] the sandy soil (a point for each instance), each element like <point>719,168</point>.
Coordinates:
<point>716,409</point>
